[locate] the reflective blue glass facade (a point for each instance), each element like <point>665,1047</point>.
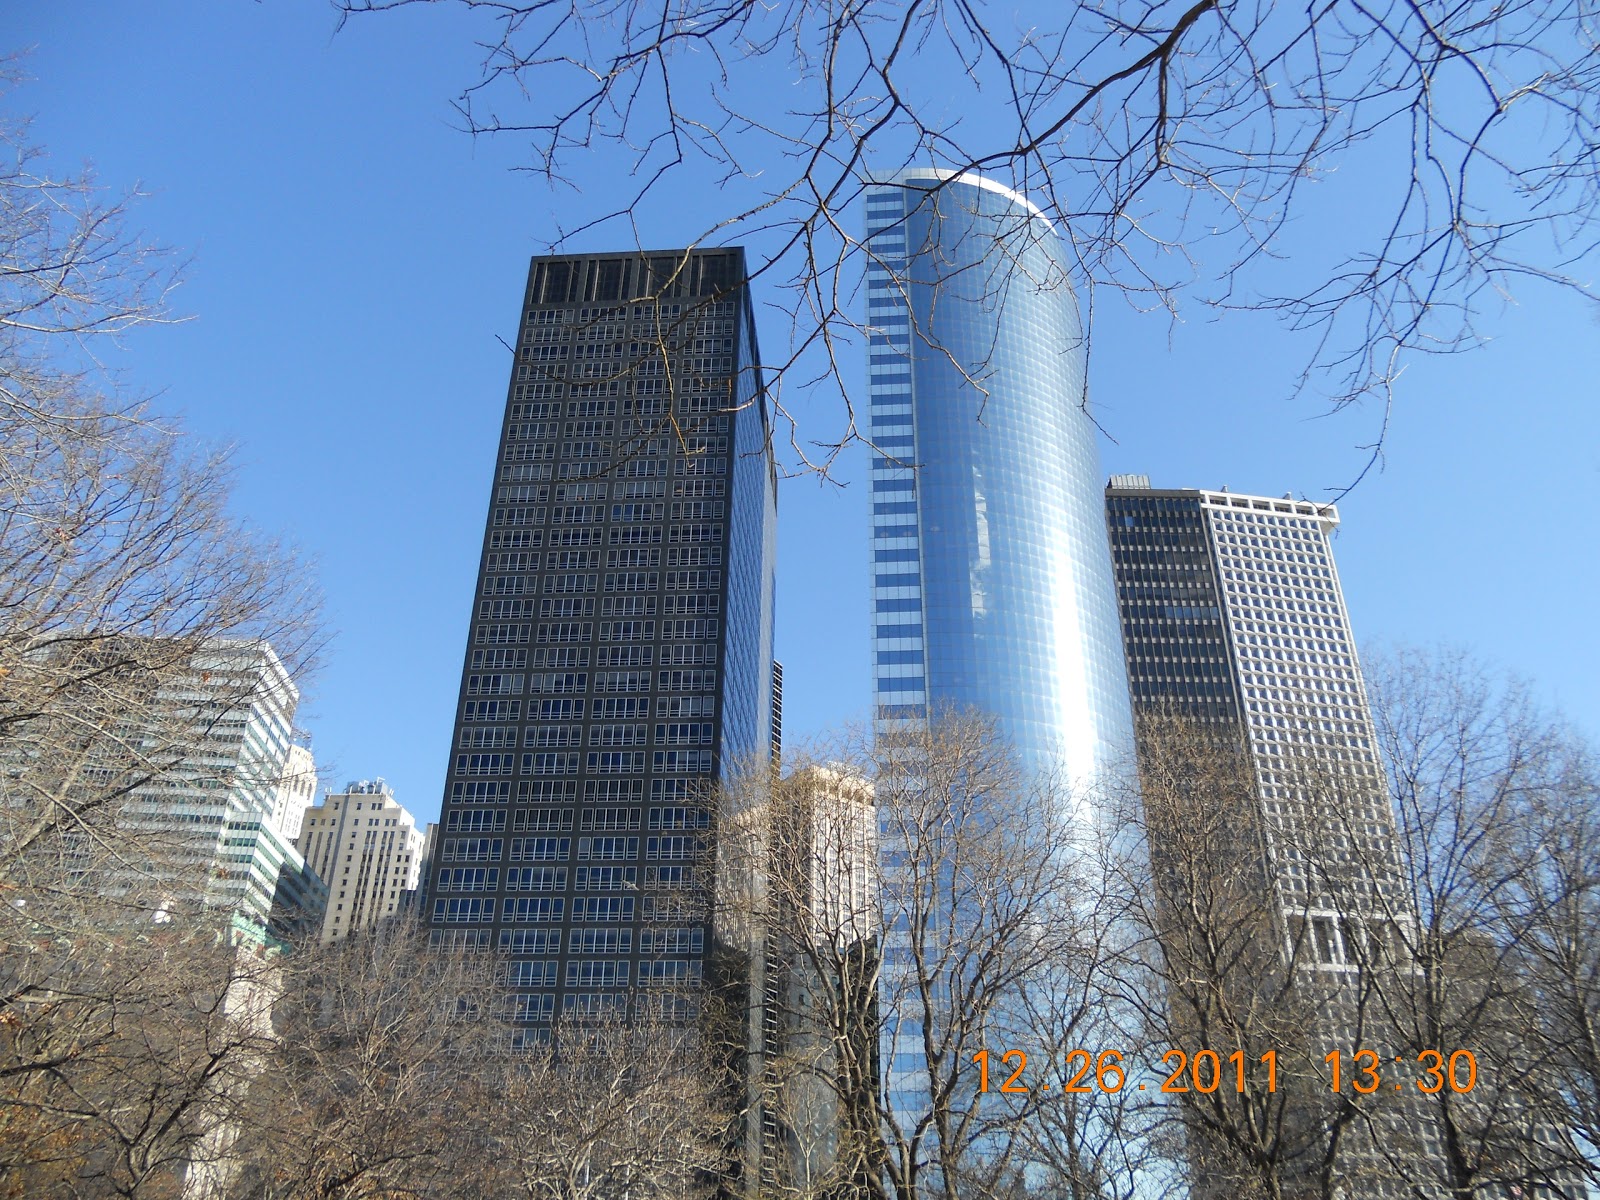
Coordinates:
<point>992,579</point>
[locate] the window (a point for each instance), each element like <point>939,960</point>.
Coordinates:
<point>607,879</point>
<point>469,879</point>
<point>670,970</point>
<point>602,941</point>
<point>679,817</point>
<point>530,941</point>
<point>616,762</point>
<point>471,849</point>
<point>669,877</point>
<point>530,974</point>
<point>694,733</point>
<point>550,763</point>
<point>683,761</point>
<point>541,849</point>
<point>477,821</point>
<point>536,879</point>
<point>610,818</point>
<point>595,909</point>
<point>527,910</point>
<point>623,848</point>
<point>617,735</point>
<point>592,1004</point>
<point>671,941</point>
<point>673,847</point>
<point>540,1007</point>
<point>597,973</point>
<point>463,911</point>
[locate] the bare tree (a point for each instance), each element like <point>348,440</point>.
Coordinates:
<point>1225,979</point>
<point>1175,145</point>
<point>1559,954</point>
<point>379,1083</point>
<point>1421,986</point>
<point>1419,981</point>
<point>129,595</point>
<point>1495,801</point>
<point>922,910</point>
<point>122,574</point>
<point>116,1079</point>
<point>403,1070</point>
<point>620,1107</point>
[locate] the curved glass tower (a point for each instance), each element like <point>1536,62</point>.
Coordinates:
<point>992,578</point>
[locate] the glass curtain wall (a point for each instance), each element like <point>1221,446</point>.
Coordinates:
<point>992,581</point>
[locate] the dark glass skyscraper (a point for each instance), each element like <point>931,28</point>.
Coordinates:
<point>992,584</point>
<point>619,649</point>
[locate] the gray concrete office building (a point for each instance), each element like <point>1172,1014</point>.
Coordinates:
<point>1235,625</point>
<point>619,648</point>
<point>1232,614</point>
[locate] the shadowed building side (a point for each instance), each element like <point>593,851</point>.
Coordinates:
<point>619,646</point>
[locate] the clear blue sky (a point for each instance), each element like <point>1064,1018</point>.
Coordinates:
<point>355,258</point>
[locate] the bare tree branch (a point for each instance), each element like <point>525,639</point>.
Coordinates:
<point>1174,144</point>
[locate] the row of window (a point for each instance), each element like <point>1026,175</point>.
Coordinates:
<point>677,733</point>
<point>578,560</point>
<point>577,657</point>
<point>679,846</point>
<point>696,604</point>
<point>643,394</point>
<point>554,879</point>
<point>672,941</point>
<point>570,682</point>
<point>577,608</point>
<point>526,483</point>
<point>600,762</point>
<point>604,339</point>
<point>533,423</point>
<point>582,941</point>
<point>544,791</point>
<point>602,972</point>
<point>580,584</point>
<point>537,1008</point>
<point>666,817</point>
<point>536,910</point>
<point>567,582</point>
<point>573,708</point>
<point>564,682</point>
<point>603,762</point>
<point>557,364</point>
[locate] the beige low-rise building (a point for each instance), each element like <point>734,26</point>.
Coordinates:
<point>367,848</point>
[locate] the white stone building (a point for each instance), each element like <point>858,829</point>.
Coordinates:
<point>297,791</point>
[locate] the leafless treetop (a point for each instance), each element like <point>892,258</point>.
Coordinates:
<point>1174,145</point>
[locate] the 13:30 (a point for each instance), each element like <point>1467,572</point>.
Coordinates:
<point>1459,1072</point>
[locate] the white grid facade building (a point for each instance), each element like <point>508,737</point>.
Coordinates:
<point>1232,610</point>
